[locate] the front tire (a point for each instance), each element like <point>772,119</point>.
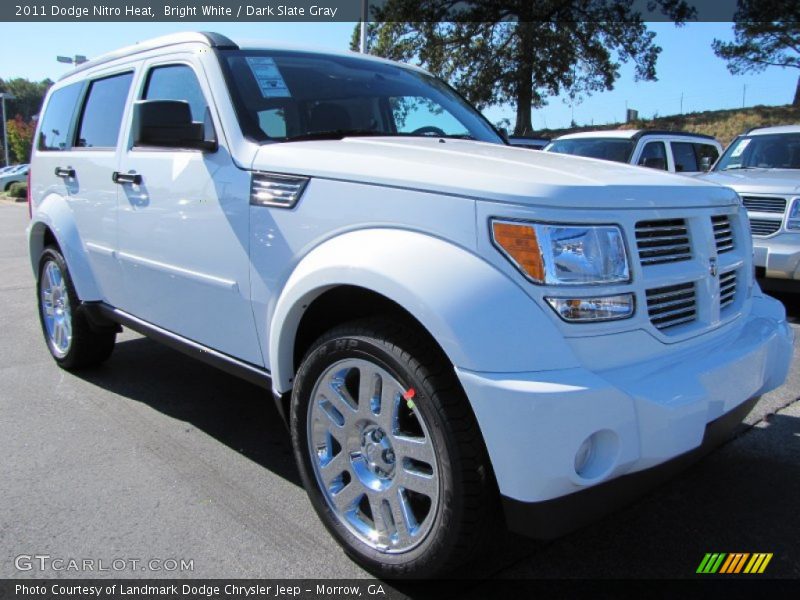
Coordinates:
<point>389,451</point>
<point>70,338</point>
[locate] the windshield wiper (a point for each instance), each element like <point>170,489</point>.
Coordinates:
<point>335,134</point>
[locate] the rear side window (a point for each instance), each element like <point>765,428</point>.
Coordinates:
<point>177,82</point>
<point>57,118</point>
<point>102,112</point>
<point>684,157</point>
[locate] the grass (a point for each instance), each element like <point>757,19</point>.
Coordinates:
<point>722,124</point>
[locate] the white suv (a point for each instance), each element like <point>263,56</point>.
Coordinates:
<point>763,166</point>
<point>447,324</point>
<point>673,151</point>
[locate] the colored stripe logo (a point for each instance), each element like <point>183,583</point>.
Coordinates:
<point>734,562</point>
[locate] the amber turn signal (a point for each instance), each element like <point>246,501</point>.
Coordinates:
<point>520,243</point>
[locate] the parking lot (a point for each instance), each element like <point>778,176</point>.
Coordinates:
<point>156,456</point>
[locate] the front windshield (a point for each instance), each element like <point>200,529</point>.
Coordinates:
<point>618,150</point>
<point>292,96</point>
<point>775,151</point>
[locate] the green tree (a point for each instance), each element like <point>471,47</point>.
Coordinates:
<point>20,138</point>
<point>29,96</point>
<point>767,34</point>
<point>521,52</point>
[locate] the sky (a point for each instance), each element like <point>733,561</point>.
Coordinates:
<point>687,67</point>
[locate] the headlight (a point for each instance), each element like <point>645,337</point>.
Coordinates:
<point>793,221</point>
<point>603,308</point>
<point>555,254</point>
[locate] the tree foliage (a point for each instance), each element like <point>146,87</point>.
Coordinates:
<point>29,96</point>
<point>767,34</point>
<point>520,51</point>
<point>20,138</point>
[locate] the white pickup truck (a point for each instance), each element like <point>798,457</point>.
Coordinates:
<point>454,329</point>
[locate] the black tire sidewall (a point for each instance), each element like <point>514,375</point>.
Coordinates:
<point>51,254</point>
<point>431,553</point>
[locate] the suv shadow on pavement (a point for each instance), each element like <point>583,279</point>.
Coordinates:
<point>732,500</point>
<point>240,415</point>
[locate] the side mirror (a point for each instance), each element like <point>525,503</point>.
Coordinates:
<point>168,124</point>
<point>705,163</point>
<point>655,163</point>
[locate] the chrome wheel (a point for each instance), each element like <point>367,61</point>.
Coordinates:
<point>55,309</point>
<point>373,456</point>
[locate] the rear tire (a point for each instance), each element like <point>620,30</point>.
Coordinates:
<point>69,337</point>
<point>402,480</point>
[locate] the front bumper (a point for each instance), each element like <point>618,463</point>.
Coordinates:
<point>779,256</point>
<point>637,416</point>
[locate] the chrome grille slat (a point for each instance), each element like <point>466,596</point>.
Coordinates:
<point>723,233</point>
<point>764,204</point>
<point>672,305</point>
<point>663,241</point>
<point>764,226</point>
<point>727,289</point>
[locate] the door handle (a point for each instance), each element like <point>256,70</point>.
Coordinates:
<point>68,173</point>
<point>123,178</point>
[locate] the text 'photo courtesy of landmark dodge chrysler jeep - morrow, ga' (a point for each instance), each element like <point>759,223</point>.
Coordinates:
<point>452,328</point>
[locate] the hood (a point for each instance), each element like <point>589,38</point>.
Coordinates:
<point>758,181</point>
<point>489,172</point>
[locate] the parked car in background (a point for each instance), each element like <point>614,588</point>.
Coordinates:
<point>674,151</point>
<point>17,174</point>
<point>531,143</point>
<point>763,166</point>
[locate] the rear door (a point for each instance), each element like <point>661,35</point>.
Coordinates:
<point>184,229</point>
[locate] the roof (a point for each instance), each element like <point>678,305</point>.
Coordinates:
<point>773,130</point>
<point>215,40</point>
<point>632,134</point>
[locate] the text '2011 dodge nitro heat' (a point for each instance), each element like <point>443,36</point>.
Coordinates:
<point>452,328</point>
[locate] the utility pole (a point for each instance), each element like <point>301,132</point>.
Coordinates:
<point>744,93</point>
<point>3,97</point>
<point>681,103</point>
<point>362,46</point>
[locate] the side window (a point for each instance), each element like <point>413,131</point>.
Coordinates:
<point>654,156</point>
<point>684,157</point>
<point>177,82</point>
<point>57,118</point>
<point>706,152</point>
<point>102,112</point>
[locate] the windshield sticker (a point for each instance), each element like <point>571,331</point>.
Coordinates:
<point>268,77</point>
<point>740,148</point>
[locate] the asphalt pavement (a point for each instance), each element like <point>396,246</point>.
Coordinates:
<point>157,457</point>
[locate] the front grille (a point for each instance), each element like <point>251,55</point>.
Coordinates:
<point>727,288</point>
<point>764,204</point>
<point>663,241</point>
<point>723,234</point>
<point>764,226</point>
<point>672,305</point>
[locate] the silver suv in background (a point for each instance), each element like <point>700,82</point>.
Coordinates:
<point>763,166</point>
<point>674,151</point>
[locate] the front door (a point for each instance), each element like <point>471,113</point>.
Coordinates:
<point>183,229</point>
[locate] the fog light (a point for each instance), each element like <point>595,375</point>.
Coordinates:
<point>603,308</point>
<point>597,456</point>
<point>584,455</point>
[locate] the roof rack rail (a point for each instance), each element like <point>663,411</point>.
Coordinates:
<point>643,132</point>
<point>214,40</point>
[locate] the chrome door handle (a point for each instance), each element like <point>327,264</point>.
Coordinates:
<point>123,178</point>
<point>66,173</point>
